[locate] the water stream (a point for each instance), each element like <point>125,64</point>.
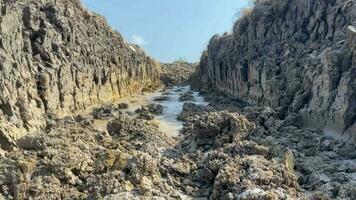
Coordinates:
<point>172,107</point>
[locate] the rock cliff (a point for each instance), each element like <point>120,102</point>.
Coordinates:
<point>56,58</point>
<point>296,56</point>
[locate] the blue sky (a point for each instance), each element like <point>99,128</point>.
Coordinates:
<point>169,29</point>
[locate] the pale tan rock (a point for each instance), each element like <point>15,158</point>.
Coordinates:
<point>2,153</point>
<point>62,64</point>
<point>146,185</point>
<point>27,166</point>
<point>121,161</point>
<point>288,161</point>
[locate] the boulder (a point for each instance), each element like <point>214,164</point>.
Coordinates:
<point>146,116</point>
<point>155,109</point>
<point>188,96</point>
<point>123,106</point>
<point>288,161</point>
<point>161,98</point>
<point>216,129</point>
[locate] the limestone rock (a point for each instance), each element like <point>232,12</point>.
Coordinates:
<point>146,116</point>
<point>146,186</point>
<point>288,161</point>
<point>57,57</point>
<point>177,73</point>
<point>161,98</point>
<point>2,153</point>
<point>188,96</point>
<point>283,56</point>
<point>154,108</point>
<point>123,106</point>
<point>217,129</point>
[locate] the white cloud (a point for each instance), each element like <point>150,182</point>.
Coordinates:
<point>139,40</point>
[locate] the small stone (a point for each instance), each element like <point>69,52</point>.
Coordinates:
<point>146,116</point>
<point>161,98</point>
<point>186,97</point>
<point>123,106</point>
<point>27,166</point>
<point>27,142</point>
<point>110,158</point>
<point>154,108</point>
<point>288,160</point>
<point>182,168</point>
<point>2,153</point>
<point>121,161</point>
<point>146,186</point>
<point>127,185</point>
<point>71,178</point>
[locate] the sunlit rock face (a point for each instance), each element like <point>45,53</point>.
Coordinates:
<point>295,56</point>
<point>56,58</point>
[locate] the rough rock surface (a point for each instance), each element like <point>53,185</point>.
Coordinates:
<point>154,108</point>
<point>295,56</point>
<point>187,96</point>
<point>134,160</point>
<point>224,152</point>
<point>73,160</point>
<point>56,58</point>
<point>323,166</point>
<point>177,73</point>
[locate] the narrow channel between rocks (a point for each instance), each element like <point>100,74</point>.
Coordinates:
<point>171,103</point>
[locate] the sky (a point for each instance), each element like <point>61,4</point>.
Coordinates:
<point>169,30</point>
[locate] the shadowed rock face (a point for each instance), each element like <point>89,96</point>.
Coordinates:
<point>56,57</point>
<point>296,56</point>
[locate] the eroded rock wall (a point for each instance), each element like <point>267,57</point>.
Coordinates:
<point>56,58</point>
<point>296,56</point>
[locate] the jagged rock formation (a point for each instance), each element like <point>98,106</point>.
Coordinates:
<point>295,56</point>
<point>134,160</point>
<point>56,58</point>
<point>177,73</point>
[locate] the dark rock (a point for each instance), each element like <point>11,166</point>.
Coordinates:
<point>123,106</point>
<point>145,116</point>
<point>156,109</point>
<point>188,96</point>
<point>216,129</point>
<point>104,112</point>
<point>161,98</point>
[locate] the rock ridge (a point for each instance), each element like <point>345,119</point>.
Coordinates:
<point>294,56</point>
<point>56,58</point>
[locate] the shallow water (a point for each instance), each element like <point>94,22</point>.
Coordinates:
<point>172,107</point>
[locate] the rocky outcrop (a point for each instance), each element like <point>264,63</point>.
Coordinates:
<point>132,159</point>
<point>177,73</point>
<point>324,166</point>
<point>295,56</point>
<point>73,160</point>
<point>56,58</point>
